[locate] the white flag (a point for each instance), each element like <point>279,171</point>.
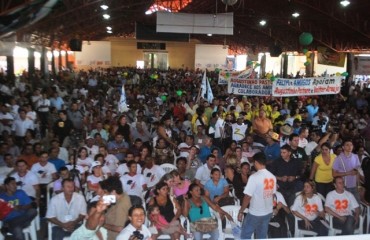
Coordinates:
<point>204,85</point>
<point>209,92</point>
<point>122,106</point>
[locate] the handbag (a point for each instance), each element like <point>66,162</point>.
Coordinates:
<point>204,225</point>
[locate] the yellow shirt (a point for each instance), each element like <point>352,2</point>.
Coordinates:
<point>274,115</point>
<point>324,172</point>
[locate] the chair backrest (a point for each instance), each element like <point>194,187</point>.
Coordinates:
<point>233,211</point>
<point>168,167</point>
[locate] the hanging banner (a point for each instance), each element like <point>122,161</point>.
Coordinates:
<point>224,75</point>
<point>361,65</point>
<point>250,87</point>
<point>306,86</point>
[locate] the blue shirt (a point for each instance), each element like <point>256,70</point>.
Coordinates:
<point>272,152</point>
<point>58,163</point>
<point>114,144</point>
<point>19,198</point>
<point>196,213</point>
<point>215,190</point>
<point>312,110</point>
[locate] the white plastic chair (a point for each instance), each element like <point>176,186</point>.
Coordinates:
<point>360,230</point>
<point>168,167</point>
<point>367,212</point>
<point>29,232</point>
<point>233,211</point>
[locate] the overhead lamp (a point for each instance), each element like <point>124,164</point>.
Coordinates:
<point>296,14</point>
<point>109,28</point>
<point>106,16</point>
<point>109,31</point>
<point>345,3</point>
<point>104,7</point>
<point>262,22</point>
<point>209,34</point>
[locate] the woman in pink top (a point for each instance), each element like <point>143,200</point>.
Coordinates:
<point>180,186</point>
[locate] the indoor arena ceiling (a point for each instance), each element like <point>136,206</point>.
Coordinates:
<point>55,22</point>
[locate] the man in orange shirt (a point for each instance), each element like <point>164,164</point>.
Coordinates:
<point>261,126</point>
<point>28,156</point>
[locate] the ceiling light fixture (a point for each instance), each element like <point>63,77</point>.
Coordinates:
<point>109,28</point>
<point>109,31</point>
<point>209,34</point>
<point>104,7</point>
<point>296,14</point>
<point>345,3</point>
<point>262,22</point>
<point>106,16</point>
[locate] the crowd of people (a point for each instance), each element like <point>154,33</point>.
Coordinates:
<point>281,158</point>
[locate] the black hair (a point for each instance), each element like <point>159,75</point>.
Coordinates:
<point>67,180</point>
<point>286,147</point>
<point>215,170</point>
<point>293,135</point>
<point>112,183</point>
<point>132,208</point>
<point>130,163</point>
<point>8,180</point>
<point>181,159</point>
<point>260,158</point>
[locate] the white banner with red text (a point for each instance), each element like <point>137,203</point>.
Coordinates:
<point>283,87</point>
<point>249,87</point>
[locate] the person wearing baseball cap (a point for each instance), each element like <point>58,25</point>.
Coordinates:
<point>272,149</point>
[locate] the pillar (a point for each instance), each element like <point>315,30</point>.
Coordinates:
<point>310,67</point>
<point>285,66</point>
<point>263,66</point>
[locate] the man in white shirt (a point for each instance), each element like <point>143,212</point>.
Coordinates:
<point>27,180</point>
<point>259,193</point>
<point>134,184</point>
<point>66,210</point>
<point>341,204</point>
<point>45,171</point>
<point>219,131</point>
<point>239,129</point>
<point>123,168</point>
<point>111,161</point>
<point>20,126</point>
<point>42,107</point>
<point>152,173</point>
<point>92,149</point>
<point>203,173</point>
<point>63,153</point>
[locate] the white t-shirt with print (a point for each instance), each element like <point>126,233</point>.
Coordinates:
<point>261,187</point>
<point>311,209</point>
<point>341,203</point>
<point>44,173</point>
<point>133,185</point>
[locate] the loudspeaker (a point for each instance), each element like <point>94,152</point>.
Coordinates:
<point>75,45</point>
<point>275,50</point>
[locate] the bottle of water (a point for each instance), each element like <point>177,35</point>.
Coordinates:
<point>236,230</point>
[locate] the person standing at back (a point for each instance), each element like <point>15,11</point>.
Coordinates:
<point>259,193</point>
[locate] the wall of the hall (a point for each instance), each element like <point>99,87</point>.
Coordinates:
<point>125,53</point>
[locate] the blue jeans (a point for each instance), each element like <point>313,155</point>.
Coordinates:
<point>214,235</point>
<point>255,224</point>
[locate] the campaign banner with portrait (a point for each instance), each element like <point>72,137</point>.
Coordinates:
<point>250,87</point>
<point>283,87</point>
<point>361,65</point>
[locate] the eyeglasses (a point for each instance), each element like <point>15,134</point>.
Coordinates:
<point>201,209</point>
